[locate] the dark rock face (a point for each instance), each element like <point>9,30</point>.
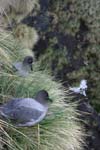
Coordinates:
<point>44,4</point>
<point>80,35</point>
<point>28,20</point>
<point>90,116</point>
<point>41,21</point>
<point>91,121</point>
<point>40,47</point>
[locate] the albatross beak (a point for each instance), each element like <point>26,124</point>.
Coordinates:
<point>31,67</point>
<point>50,99</point>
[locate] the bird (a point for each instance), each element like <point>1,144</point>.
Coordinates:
<point>23,68</point>
<point>26,112</point>
<point>81,89</point>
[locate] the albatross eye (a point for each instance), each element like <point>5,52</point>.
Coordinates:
<point>30,60</point>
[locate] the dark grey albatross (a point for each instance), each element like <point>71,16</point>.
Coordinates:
<point>26,111</point>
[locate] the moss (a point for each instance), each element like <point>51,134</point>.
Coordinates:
<point>25,35</point>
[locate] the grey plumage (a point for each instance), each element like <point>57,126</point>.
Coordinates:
<point>26,111</point>
<point>23,68</point>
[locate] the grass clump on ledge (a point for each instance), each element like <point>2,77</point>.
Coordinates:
<point>27,36</point>
<point>60,129</point>
<point>10,49</point>
<point>13,11</point>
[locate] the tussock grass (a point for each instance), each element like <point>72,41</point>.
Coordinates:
<point>10,49</point>
<point>13,11</point>
<point>25,35</point>
<point>19,6</point>
<point>60,128</point>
